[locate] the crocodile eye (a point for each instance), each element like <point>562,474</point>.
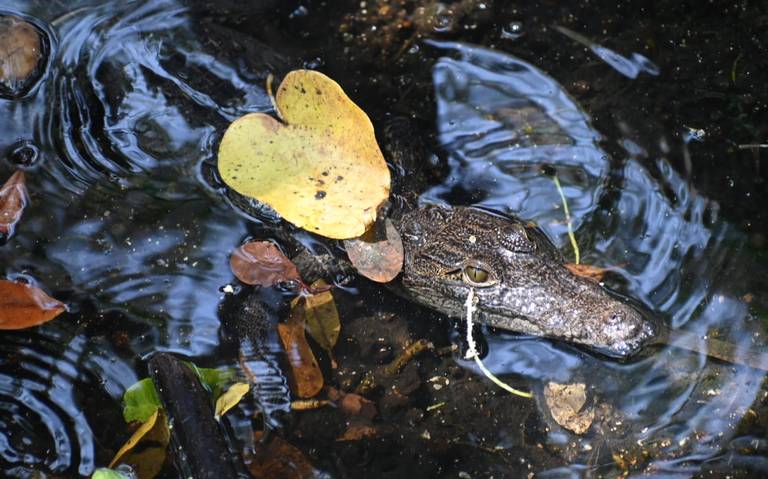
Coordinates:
<point>474,276</point>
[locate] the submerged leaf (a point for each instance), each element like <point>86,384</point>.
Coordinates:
<point>277,459</point>
<point>23,306</point>
<point>13,200</point>
<point>229,399</point>
<point>566,404</point>
<point>321,168</point>
<point>306,376</point>
<point>319,314</point>
<point>262,263</point>
<point>378,257</point>
<point>154,436</point>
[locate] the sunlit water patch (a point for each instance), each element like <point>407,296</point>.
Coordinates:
<point>506,126</point>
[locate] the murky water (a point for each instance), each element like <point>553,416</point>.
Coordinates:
<point>124,227</point>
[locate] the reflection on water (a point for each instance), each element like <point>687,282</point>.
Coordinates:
<point>504,123</point>
<point>123,227</point>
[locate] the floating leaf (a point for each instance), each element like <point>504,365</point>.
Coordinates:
<point>154,436</point>
<point>587,271</point>
<point>141,400</point>
<point>20,53</point>
<point>318,312</point>
<point>566,403</point>
<point>261,263</point>
<point>321,168</point>
<point>277,459</point>
<point>105,473</point>
<point>13,200</point>
<point>306,375</point>
<point>229,399</point>
<point>378,254</point>
<point>23,306</point>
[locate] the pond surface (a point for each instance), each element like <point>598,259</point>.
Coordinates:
<point>652,121</point>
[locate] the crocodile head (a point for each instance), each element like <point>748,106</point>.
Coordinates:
<point>519,279</point>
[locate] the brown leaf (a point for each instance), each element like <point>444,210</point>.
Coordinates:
<point>355,432</point>
<point>307,379</point>
<point>23,306</point>
<point>261,263</point>
<point>356,405</point>
<point>566,404</point>
<point>595,273</point>
<point>13,200</point>
<point>20,54</point>
<point>319,314</point>
<point>277,459</point>
<point>378,254</point>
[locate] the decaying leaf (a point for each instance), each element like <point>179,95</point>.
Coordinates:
<point>378,254</point>
<point>566,403</point>
<point>230,398</point>
<point>307,379</point>
<point>23,306</point>
<point>588,271</point>
<point>355,432</point>
<point>277,459</point>
<point>20,53</point>
<point>318,312</point>
<point>262,263</point>
<point>147,460</point>
<point>13,200</point>
<point>320,168</point>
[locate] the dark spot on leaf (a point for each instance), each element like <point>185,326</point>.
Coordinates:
<point>320,195</point>
<point>325,173</point>
<point>303,90</point>
<point>339,178</point>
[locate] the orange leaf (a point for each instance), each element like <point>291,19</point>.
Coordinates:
<point>378,254</point>
<point>277,459</point>
<point>587,271</point>
<point>23,306</point>
<point>306,376</point>
<point>13,199</point>
<point>355,432</point>
<point>261,263</point>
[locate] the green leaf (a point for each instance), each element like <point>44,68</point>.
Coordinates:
<point>140,401</point>
<point>215,380</point>
<point>104,473</point>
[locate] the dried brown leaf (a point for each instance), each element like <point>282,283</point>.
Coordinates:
<point>595,273</point>
<point>319,313</point>
<point>24,306</point>
<point>262,263</point>
<point>566,404</point>
<point>13,200</point>
<point>378,254</point>
<point>355,432</point>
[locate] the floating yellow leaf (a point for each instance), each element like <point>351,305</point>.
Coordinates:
<point>146,461</point>
<point>229,399</point>
<point>321,168</point>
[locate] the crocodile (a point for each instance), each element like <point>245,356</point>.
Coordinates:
<point>519,278</point>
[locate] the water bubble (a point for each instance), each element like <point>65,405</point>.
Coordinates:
<point>512,31</point>
<point>24,153</point>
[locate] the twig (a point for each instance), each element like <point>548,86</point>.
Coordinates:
<point>472,351</point>
<point>571,236</point>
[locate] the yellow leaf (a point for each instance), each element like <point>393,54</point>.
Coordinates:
<point>146,461</point>
<point>322,317</point>
<point>321,169</point>
<point>229,399</point>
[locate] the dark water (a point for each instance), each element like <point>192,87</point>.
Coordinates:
<point>124,227</point>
